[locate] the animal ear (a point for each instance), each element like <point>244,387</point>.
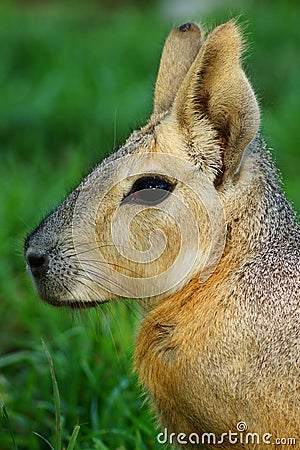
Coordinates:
<point>216,91</point>
<point>180,49</point>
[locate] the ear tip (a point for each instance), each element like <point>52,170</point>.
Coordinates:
<point>187,31</point>
<point>229,30</point>
<point>226,39</point>
<point>188,27</point>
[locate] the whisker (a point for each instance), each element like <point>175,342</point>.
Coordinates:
<point>115,129</point>
<point>85,306</point>
<point>97,247</point>
<point>108,318</point>
<point>81,281</point>
<point>87,262</point>
<point>131,305</point>
<point>98,278</point>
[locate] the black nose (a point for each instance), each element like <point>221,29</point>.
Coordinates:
<point>37,262</point>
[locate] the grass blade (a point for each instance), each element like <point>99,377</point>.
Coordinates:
<point>56,398</point>
<point>44,439</point>
<point>8,423</point>
<point>73,438</point>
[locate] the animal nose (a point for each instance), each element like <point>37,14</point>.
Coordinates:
<point>37,262</point>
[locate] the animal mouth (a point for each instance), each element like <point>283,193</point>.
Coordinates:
<point>66,300</point>
<point>72,304</point>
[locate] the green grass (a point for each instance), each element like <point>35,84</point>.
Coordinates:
<point>73,85</point>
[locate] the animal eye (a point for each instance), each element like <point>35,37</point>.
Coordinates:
<point>149,190</point>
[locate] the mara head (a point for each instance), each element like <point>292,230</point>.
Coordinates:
<point>154,214</point>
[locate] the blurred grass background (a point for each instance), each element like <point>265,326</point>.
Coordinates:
<point>75,79</point>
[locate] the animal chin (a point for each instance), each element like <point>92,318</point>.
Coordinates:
<point>73,303</point>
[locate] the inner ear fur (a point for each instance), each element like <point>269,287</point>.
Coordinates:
<point>180,49</point>
<point>217,90</point>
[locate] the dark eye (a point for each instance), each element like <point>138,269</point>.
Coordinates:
<point>149,190</point>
